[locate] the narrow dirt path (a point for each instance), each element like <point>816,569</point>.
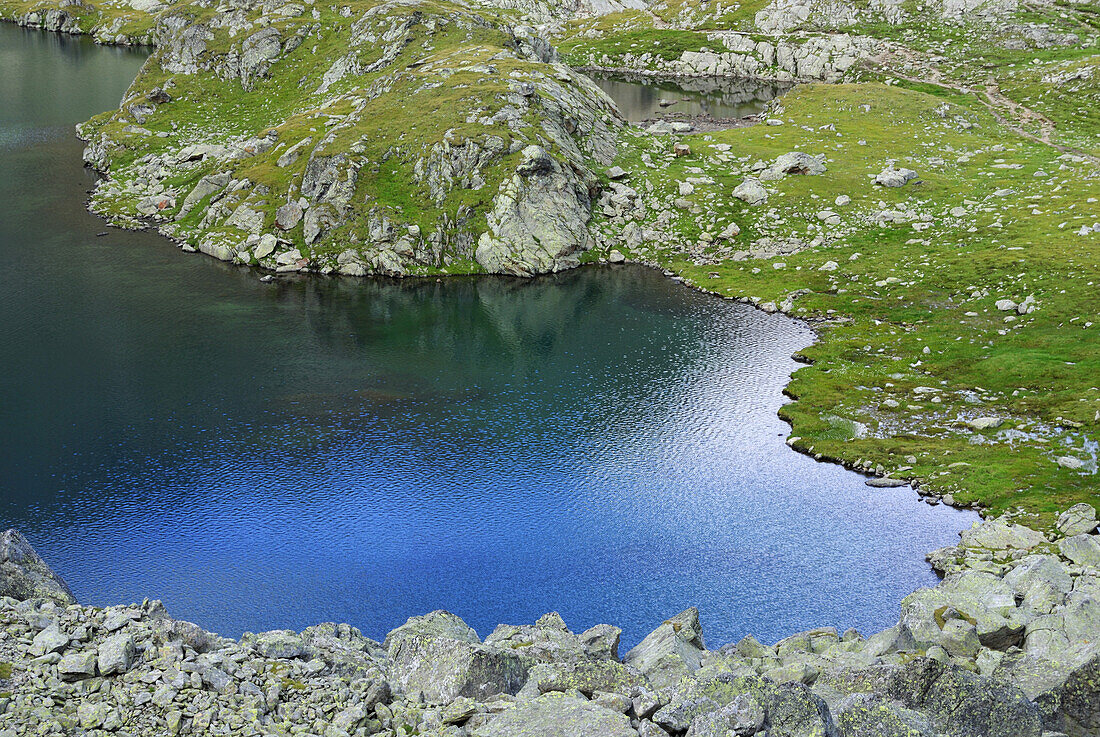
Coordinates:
<point>1007,111</point>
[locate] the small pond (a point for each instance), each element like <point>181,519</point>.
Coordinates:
<point>642,97</point>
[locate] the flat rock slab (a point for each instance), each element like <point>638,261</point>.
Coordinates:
<point>557,715</point>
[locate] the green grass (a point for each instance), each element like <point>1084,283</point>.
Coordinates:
<point>1039,375</point>
<point>666,44</point>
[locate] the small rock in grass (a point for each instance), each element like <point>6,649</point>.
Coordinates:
<point>891,177</point>
<point>752,192</point>
<point>985,423</point>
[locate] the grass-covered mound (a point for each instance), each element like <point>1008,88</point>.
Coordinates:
<point>392,137</point>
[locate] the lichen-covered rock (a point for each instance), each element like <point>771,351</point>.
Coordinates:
<point>795,711</point>
<point>868,715</point>
<point>963,704</point>
<point>1041,581</point>
<point>24,575</point>
<point>550,640</point>
<point>557,715</point>
<point>979,599</point>
<point>671,651</point>
<point>539,221</point>
<point>1080,519</point>
<point>1084,550</point>
<point>1001,534</point>
<point>587,676</point>
<point>441,658</point>
<point>742,716</point>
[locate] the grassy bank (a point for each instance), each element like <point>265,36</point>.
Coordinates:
<point>903,284</point>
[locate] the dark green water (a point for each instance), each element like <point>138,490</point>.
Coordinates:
<point>640,97</point>
<point>603,443</point>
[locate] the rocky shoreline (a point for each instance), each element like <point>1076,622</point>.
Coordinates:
<point>1007,645</point>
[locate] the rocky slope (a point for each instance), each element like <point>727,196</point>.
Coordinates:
<point>1008,645</point>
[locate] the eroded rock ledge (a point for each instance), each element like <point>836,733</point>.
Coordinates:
<point>1008,645</point>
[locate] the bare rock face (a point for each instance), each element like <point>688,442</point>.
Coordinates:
<point>539,222</point>
<point>24,575</point>
<point>673,650</point>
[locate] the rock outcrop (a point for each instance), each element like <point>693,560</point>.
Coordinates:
<point>425,137</point>
<point>24,575</point>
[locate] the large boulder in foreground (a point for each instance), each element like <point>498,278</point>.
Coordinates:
<point>557,715</point>
<point>24,575</point>
<point>673,650</point>
<point>963,704</point>
<point>440,657</point>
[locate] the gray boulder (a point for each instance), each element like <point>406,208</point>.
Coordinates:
<point>796,711</point>
<point>289,215</point>
<point>751,191</point>
<point>891,177</point>
<point>441,658</point>
<point>959,703</point>
<point>116,655</point>
<point>1044,680</point>
<point>868,715</point>
<point>587,676</point>
<point>1041,581</point>
<point>24,575</point>
<point>1001,534</point>
<point>75,666</point>
<point>1084,550</point>
<point>557,715</point>
<point>980,599</point>
<point>673,650</point>
<point>1080,519</point>
<point>49,640</point>
<point>1080,699</point>
<point>742,716</point>
<point>550,640</point>
<point>798,162</point>
<point>434,624</point>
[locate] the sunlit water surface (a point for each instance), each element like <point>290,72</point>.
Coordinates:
<point>603,443</point>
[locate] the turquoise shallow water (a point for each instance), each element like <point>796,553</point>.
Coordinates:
<point>603,443</point>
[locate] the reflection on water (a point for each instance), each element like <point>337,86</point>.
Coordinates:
<point>642,97</point>
<point>603,443</point>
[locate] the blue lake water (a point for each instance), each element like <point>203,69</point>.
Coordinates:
<point>603,443</point>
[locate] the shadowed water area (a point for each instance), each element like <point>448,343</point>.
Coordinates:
<point>603,443</point>
<point>641,97</point>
